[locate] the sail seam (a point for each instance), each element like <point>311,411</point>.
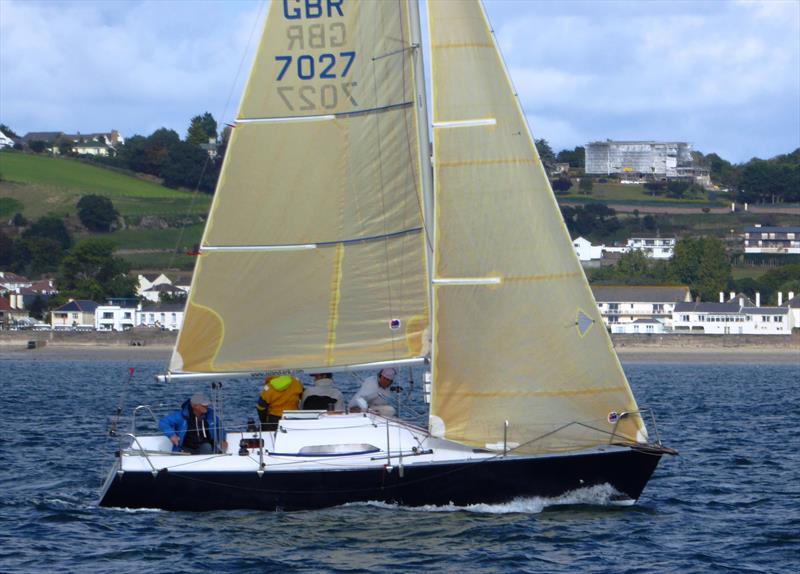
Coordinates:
<point>568,393</point>
<point>336,295</point>
<point>464,45</point>
<point>511,161</point>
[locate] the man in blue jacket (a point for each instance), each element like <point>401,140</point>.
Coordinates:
<point>193,428</point>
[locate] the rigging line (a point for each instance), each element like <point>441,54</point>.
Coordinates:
<point>193,196</point>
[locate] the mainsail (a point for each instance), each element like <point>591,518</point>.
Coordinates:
<point>314,253</point>
<point>520,354</point>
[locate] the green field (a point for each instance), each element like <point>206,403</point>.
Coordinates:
<point>42,184</point>
<point>634,194</point>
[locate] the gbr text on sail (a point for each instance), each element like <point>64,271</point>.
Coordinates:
<point>315,72</point>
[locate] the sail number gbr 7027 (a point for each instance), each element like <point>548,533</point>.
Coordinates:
<point>328,66</point>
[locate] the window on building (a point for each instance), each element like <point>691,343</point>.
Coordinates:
<point>108,315</point>
<point>777,319</point>
<point>127,315</point>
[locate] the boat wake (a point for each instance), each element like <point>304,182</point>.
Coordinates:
<point>598,495</point>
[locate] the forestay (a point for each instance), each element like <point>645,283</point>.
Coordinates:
<point>314,254</point>
<point>517,333</point>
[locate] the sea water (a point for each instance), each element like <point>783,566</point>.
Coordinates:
<point>729,503</point>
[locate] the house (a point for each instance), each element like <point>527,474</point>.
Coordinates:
<point>90,148</point>
<point>116,315</point>
<point>154,293</point>
<point>737,316</point>
<point>75,313</point>
<point>167,316</point>
<point>585,250</point>
<point>5,141</point>
<point>151,285</point>
<point>5,313</point>
<point>50,139</point>
<point>653,247</point>
<point>627,303</point>
<point>13,282</point>
<point>780,240</point>
<point>639,326</point>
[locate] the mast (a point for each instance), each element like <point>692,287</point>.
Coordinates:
<point>426,167</point>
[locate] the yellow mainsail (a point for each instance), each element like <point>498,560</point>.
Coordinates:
<point>313,253</point>
<point>517,334</point>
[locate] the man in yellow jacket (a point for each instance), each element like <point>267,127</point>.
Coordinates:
<point>280,393</point>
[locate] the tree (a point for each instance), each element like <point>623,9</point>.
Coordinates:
<point>96,212</point>
<point>35,255</point>
<point>90,271</point>
<point>703,264</point>
<point>8,131</point>
<point>201,129</point>
<point>562,184</point>
<point>50,227</point>
<point>586,185</point>
<point>575,158</point>
<point>546,154</point>
<point>37,146</point>
<point>6,249</point>
<point>38,307</point>
<point>19,220</point>
<point>186,165</point>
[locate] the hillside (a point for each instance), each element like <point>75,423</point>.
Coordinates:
<point>158,223</point>
<point>36,185</point>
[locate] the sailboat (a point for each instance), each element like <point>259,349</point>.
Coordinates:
<point>355,243</point>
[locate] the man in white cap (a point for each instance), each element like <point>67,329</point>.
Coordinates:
<point>375,394</point>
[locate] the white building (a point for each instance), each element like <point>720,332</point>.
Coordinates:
<point>653,247</point>
<point>780,240</point>
<point>639,327</point>
<point>151,285</point>
<point>622,304</point>
<point>648,158</point>
<point>167,316</point>
<point>114,317</point>
<point>585,250</point>
<point>737,316</point>
<point>5,141</point>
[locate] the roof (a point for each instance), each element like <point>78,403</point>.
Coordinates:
<point>792,229</point>
<point>82,305</point>
<point>647,321</point>
<point>640,293</point>
<point>162,307</point>
<point>9,277</point>
<point>765,310</point>
<point>794,302</point>
<point>729,307</point>
<point>41,136</point>
<point>165,288</point>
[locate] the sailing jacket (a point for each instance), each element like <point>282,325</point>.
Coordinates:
<point>177,423</point>
<point>372,393</point>
<point>324,388</point>
<point>276,396</point>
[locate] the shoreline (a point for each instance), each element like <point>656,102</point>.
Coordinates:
<point>628,354</point>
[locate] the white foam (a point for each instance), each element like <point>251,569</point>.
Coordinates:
<point>598,495</point>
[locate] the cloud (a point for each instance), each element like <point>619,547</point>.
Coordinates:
<point>652,70</point>
<point>92,66</point>
<point>724,75</point>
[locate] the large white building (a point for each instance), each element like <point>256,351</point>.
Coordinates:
<point>648,158</point>
<point>737,316</point>
<point>652,247</point>
<point>626,304</point>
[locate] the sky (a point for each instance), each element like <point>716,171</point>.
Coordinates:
<point>721,75</point>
